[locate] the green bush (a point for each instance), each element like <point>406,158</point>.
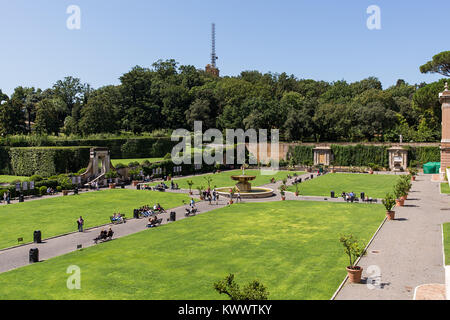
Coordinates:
<point>59,188</point>
<point>43,190</point>
<point>48,161</point>
<point>36,178</point>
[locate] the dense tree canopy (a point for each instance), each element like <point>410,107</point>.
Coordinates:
<point>170,96</point>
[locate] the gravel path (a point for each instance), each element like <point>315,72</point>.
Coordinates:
<point>406,251</point>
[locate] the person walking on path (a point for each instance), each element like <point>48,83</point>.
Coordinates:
<point>80,223</point>
<point>192,204</point>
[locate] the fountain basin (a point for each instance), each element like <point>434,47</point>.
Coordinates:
<point>253,193</point>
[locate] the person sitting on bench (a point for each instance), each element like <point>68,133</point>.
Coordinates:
<point>103,235</point>
<point>110,234</point>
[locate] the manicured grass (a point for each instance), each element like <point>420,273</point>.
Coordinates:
<point>445,188</point>
<point>55,216</point>
<point>375,186</point>
<point>292,247</point>
<point>9,179</point>
<point>223,179</point>
<point>446,228</point>
<point>127,161</point>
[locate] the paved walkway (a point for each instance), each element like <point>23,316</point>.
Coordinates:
<point>408,250</point>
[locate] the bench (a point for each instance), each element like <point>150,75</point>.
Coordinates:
<point>155,223</point>
<point>123,220</point>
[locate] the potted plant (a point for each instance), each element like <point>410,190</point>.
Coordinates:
<point>283,192</point>
<point>413,172</point>
<point>354,249</point>
<point>232,192</point>
<point>399,193</point>
<point>296,190</point>
<point>371,165</point>
<point>111,175</point>
<point>190,184</point>
<point>389,204</point>
<point>200,192</point>
<point>208,180</point>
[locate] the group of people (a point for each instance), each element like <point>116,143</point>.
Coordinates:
<point>117,217</point>
<point>348,196</point>
<point>211,196</point>
<point>7,197</point>
<point>104,235</point>
<point>94,185</point>
<point>152,222</point>
<point>50,191</point>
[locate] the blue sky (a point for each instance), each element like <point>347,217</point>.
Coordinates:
<point>321,40</point>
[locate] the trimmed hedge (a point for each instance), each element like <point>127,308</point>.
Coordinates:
<point>360,155</point>
<point>301,154</point>
<point>48,161</point>
<point>120,148</point>
<point>422,155</point>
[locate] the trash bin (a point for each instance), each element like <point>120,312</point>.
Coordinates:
<point>37,236</point>
<point>173,216</point>
<point>34,255</point>
<point>21,198</point>
<point>332,194</point>
<point>136,213</point>
<point>138,186</point>
<point>363,196</point>
<point>75,191</point>
<point>312,176</point>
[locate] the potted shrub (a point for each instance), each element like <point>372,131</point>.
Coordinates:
<point>389,204</point>
<point>399,193</point>
<point>111,175</point>
<point>354,249</point>
<point>296,190</point>
<point>413,172</point>
<point>232,192</point>
<point>283,192</point>
<point>200,192</point>
<point>190,184</point>
<point>371,165</point>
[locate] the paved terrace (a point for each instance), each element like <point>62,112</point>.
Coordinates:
<point>408,250</point>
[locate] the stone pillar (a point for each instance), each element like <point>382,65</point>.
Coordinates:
<point>444,98</point>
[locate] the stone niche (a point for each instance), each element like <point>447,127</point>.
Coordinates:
<point>322,156</point>
<point>398,159</point>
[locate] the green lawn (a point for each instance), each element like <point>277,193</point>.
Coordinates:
<point>445,188</point>
<point>223,179</point>
<point>375,186</point>
<point>292,247</point>
<point>58,215</point>
<point>9,179</point>
<point>127,161</point>
<point>446,228</point>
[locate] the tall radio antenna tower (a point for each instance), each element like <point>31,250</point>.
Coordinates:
<point>213,53</point>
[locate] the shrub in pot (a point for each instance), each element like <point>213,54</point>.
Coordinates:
<point>296,190</point>
<point>190,184</point>
<point>389,204</point>
<point>354,249</point>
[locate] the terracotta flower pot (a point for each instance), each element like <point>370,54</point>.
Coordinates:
<point>296,194</point>
<point>371,172</point>
<point>413,178</point>
<point>135,183</point>
<point>354,274</point>
<point>390,215</point>
<point>400,202</point>
<point>65,192</point>
<point>112,185</point>
<point>283,198</point>
<point>230,202</point>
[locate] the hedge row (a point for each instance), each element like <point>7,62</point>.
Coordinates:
<point>362,155</point>
<point>48,161</point>
<point>301,154</point>
<point>120,148</point>
<point>421,155</point>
